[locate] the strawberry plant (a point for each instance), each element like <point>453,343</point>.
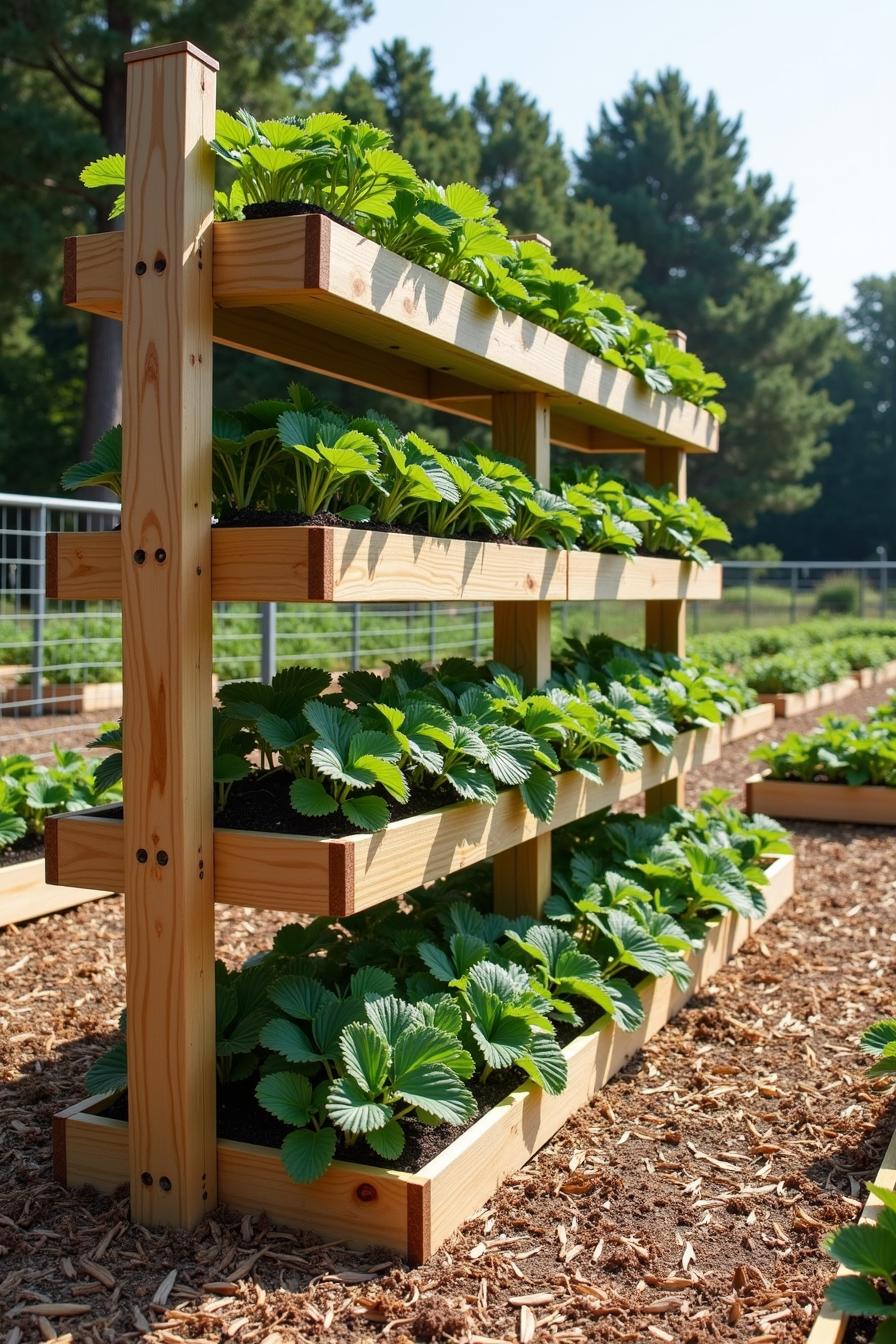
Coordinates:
<point>350,170</point>
<point>841,750</point>
<point>30,792</point>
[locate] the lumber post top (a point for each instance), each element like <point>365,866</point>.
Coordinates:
<point>171,49</point>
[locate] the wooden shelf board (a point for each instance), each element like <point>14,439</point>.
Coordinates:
<point>332,564</point>
<point>309,875</point>
<point>749,721</point>
<point>868,805</point>
<point>26,894</point>
<point>414,1214</point>
<point>314,293</point>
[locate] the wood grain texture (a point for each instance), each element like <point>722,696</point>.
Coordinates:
<point>868,804</point>
<point>282,564</point>
<point>26,894</point>
<point>521,428</point>
<point>414,1214</point>
<point>166,608</point>
<point>749,721</point>
<point>830,1325</point>
<point>378,317</point>
<point>307,875</point>
<point>791,704</point>
<point>665,623</point>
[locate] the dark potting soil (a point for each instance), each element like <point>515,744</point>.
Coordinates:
<point>261,803</point>
<point>279,209</point>
<point>21,851</point>
<point>284,518</point>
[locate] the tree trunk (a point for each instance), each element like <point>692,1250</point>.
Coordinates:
<point>102,383</point>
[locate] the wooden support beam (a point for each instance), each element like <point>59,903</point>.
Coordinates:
<point>166,595</point>
<point>521,428</point>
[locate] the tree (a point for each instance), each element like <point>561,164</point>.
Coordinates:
<point>856,509</point>
<point>63,103</point>
<point>716,256</point>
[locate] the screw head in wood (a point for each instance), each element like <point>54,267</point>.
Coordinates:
<point>139,557</point>
<point>366,1193</point>
<point>140,268</point>
<point>146,1178</point>
<point>141,856</point>
<point>159,265</point>
<point>161,555</point>
<point>164,1183</point>
<point>162,858</point>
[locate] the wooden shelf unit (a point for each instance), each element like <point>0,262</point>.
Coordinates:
<point>312,293</point>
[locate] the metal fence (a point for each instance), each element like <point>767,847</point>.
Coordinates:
<point>59,658</point>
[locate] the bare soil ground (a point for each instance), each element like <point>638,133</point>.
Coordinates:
<point>686,1203</point>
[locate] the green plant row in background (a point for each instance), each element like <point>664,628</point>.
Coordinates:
<point>801,657</point>
<point>302,455</point>
<point>349,170</point>
<point>343,1051</point>
<point>841,750</point>
<point>30,792</point>
<point>456,731</point>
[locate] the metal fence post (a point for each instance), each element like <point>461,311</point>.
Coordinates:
<point>268,640</point>
<point>356,636</point>
<point>882,557</point>
<point>794,587</point>
<point>862,591</point>
<point>38,607</point>
<point>748,596</point>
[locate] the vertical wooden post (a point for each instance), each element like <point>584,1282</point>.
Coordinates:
<point>166,604</point>
<point>665,623</point>
<point>521,428</point>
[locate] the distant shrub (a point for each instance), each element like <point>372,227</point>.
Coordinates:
<point>839,596</point>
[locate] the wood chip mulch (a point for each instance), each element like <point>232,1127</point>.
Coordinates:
<point>685,1203</point>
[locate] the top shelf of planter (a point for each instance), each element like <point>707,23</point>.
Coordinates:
<point>310,292</point>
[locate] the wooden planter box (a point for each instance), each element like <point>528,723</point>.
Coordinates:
<point>310,875</point>
<point>78,698</point>
<point>745,724</point>
<point>26,894</point>
<point>870,804</point>
<point>790,704</point>
<point>311,292</point>
<point>413,1214</point>
<point>831,1325</point>
<point>340,564</point>
<point>876,676</point>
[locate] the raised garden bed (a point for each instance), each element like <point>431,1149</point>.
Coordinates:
<point>333,564</point>
<point>790,704</point>
<point>79,698</point>
<point>413,1213</point>
<point>311,875</point>
<point>25,893</point>
<point>831,1325</point>
<point>876,676</point>
<point>868,804</point>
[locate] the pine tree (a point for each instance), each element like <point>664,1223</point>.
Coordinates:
<point>63,103</point>
<point>716,257</point>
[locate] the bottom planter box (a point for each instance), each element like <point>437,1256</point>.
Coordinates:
<point>413,1214</point>
<point>748,722</point>
<point>790,704</point>
<point>831,1325</point>
<point>25,894</point>
<point>867,804</point>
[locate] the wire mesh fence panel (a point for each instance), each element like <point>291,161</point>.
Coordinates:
<point>60,662</point>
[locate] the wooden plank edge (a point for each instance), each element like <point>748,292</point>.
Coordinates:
<point>346,861</point>
<point>26,894</point>
<point>313,237</point>
<point>830,1325</point>
<point>749,721</point>
<point>79,1125</point>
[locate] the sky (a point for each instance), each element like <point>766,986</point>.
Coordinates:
<point>809,76</point>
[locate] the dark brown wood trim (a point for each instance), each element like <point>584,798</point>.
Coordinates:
<point>320,564</point>
<point>419,1221</point>
<point>51,851</point>
<point>341,856</point>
